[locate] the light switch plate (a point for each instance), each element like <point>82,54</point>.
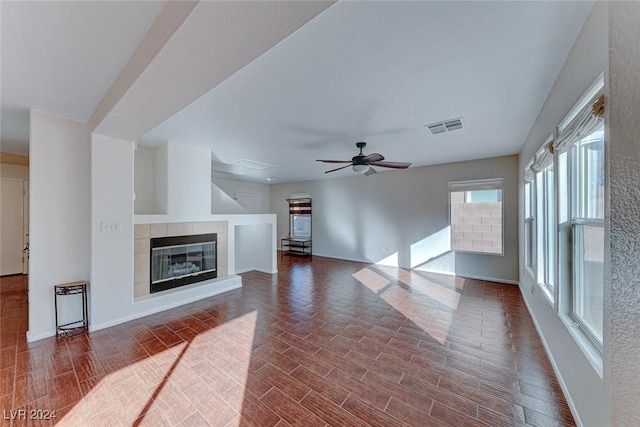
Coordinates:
<point>110,227</point>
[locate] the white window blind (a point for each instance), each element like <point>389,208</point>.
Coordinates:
<point>544,156</point>
<point>528,171</point>
<point>478,184</point>
<point>585,123</point>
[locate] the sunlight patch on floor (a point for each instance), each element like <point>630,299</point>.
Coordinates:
<point>409,302</point>
<point>438,292</point>
<point>371,279</point>
<point>151,388</point>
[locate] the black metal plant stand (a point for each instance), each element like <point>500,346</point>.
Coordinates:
<point>72,288</point>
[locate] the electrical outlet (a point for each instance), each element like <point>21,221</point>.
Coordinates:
<point>110,227</point>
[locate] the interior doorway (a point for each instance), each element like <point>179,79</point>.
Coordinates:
<point>25,227</point>
<point>14,223</point>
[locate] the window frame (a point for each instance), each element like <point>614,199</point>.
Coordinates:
<point>477,185</point>
<point>550,261</point>
<point>530,225</point>
<point>579,218</point>
<point>545,269</point>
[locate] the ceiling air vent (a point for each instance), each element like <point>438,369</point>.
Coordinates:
<point>437,128</point>
<point>445,126</point>
<point>454,124</point>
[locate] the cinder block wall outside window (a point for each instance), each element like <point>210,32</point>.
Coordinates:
<point>475,226</point>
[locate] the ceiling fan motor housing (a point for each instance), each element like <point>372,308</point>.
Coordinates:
<point>357,160</point>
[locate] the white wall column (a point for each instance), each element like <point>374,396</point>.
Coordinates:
<point>111,293</point>
<point>622,283</point>
<point>60,214</point>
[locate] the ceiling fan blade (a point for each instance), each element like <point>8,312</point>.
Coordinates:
<point>371,171</point>
<point>394,165</point>
<point>334,161</point>
<point>337,169</point>
<point>373,157</point>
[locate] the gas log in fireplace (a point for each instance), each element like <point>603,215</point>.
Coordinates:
<point>181,260</point>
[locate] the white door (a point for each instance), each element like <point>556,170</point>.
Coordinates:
<point>11,226</point>
<point>25,227</point>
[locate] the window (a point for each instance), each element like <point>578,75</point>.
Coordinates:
<point>300,217</point>
<point>564,215</point>
<point>588,234</point>
<point>564,203</point>
<point>549,229</point>
<point>529,226</point>
<point>300,225</point>
<point>476,216</point>
<point>542,219</point>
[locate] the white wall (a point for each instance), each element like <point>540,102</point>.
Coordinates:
<point>161,179</point>
<point>622,286</point>
<point>232,188</point>
<point>111,296</point>
<point>582,383</point>
<point>60,239</point>
<point>189,179</point>
<point>111,253</point>
<point>172,179</point>
<point>144,180</point>
<point>253,248</point>
<point>400,214</point>
<point>151,180</point>
<point>222,203</point>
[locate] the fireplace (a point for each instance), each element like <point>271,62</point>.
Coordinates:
<point>182,260</point>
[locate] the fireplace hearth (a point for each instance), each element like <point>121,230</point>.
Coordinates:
<point>181,260</point>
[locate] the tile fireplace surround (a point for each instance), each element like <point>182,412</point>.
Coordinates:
<point>143,233</point>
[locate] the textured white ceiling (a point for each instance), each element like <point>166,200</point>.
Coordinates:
<point>216,40</point>
<point>372,71</point>
<point>380,71</point>
<point>61,57</point>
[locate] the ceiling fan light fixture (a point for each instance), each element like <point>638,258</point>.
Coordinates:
<point>360,168</point>
<point>362,163</point>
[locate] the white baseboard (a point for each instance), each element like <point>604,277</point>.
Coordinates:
<point>491,279</point>
<point>235,284</point>
<point>563,386</point>
<point>31,337</point>
<point>468,276</point>
<point>261,270</point>
<point>364,261</point>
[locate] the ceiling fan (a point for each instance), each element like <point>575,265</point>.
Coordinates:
<point>362,164</point>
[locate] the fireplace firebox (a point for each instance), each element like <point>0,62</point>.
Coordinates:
<point>182,260</point>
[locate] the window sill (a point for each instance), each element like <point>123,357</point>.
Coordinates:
<point>548,293</point>
<point>591,352</point>
<point>462,251</point>
<point>532,274</point>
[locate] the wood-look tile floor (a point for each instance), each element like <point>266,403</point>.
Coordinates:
<point>323,342</point>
